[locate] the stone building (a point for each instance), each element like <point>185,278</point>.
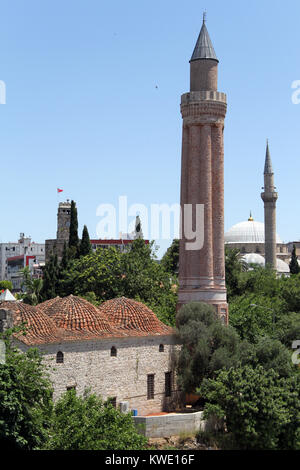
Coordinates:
<point>203,109</point>
<point>120,350</point>
<point>56,246</point>
<point>62,234</point>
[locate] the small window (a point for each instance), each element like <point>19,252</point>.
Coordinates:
<point>71,387</point>
<point>113,351</point>
<point>113,401</point>
<point>168,384</point>
<point>150,387</point>
<point>161,348</point>
<point>59,357</point>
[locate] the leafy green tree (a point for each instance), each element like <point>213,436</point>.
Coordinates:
<point>254,315</point>
<point>294,266</point>
<point>85,244</point>
<point>170,260</point>
<point>6,285</point>
<point>88,423</point>
<point>288,328</point>
<point>25,400</point>
<point>73,236</point>
<point>207,345</point>
<point>134,274</point>
<point>289,291</point>
<point>234,266</point>
<point>260,409</point>
<point>270,354</point>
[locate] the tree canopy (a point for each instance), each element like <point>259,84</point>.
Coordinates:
<point>88,423</point>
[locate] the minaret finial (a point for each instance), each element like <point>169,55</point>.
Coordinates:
<point>204,16</point>
<point>268,163</point>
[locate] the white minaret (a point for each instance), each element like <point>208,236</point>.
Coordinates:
<point>269,196</point>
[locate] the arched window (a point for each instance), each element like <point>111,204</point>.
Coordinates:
<point>59,357</point>
<point>161,348</point>
<point>113,351</point>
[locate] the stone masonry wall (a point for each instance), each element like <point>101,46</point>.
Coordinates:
<point>89,364</point>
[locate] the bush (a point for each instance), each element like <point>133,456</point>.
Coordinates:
<point>88,423</point>
<point>260,409</point>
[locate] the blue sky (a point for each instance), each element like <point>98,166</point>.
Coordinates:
<point>92,106</point>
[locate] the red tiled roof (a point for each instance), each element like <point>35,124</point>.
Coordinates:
<point>75,319</point>
<point>76,313</point>
<point>44,306</point>
<point>39,327</point>
<point>133,316</point>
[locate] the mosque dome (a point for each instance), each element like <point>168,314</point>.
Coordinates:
<point>134,316</point>
<point>249,231</point>
<point>75,313</point>
<point>39,327</point>
<point>255,258</point>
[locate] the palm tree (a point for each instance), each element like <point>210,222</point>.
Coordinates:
<point>33,288</point>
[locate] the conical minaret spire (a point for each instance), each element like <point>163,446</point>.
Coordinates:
<point>204,48</point>
<point>269,196</point>
<point>268,164</point>
<point>204,63</point>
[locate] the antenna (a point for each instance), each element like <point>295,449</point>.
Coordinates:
<point>204,16</point>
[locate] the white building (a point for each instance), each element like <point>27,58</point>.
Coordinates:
<point>16,255</point>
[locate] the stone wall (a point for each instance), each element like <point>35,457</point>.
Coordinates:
<point>170,425</point>
<point>88,364</point>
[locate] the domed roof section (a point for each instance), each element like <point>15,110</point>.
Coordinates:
<point>249,231</point>
<point>39,327</point>
<point>255,258</point>
<point>44,306</point>
<point>76,313</point>
<point>132,315</point>
<point>282,267</point>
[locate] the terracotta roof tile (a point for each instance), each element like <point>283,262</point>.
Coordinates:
<point>39,327</point>
<point>76,313</point>
<point>75,319</point>
<point>133,316</point>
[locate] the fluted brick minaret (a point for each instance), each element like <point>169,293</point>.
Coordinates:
<point>203,109</point>
<point>269,196</point>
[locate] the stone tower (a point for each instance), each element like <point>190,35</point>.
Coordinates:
<point>63,221</point>
<point>56,246</point>
<point>269,196</point>
<point>203,109</point>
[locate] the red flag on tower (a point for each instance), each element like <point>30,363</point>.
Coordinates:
<point>59,190</point>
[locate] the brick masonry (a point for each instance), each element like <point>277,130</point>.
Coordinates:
<point>203,109</point>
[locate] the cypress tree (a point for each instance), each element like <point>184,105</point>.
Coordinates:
<point>65,258</point>
<point>50,275</point>
<point>85,245</point>
<point>73,237</point>
<point>294,266</point>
